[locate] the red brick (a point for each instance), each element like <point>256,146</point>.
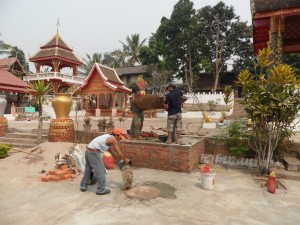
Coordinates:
<point>64,167</point>
<point>55,178</point>
<point>51,172</point>
<point>61,173</point>
<point>67,176</point>
<point>45,178</point>
<point>68,170</point>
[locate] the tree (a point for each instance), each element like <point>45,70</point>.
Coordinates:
<point>4,47</point>
<point>294,61</point>
<point>158,77</point>
<point>132,48</point>
<point>89,63</point>
<point>179,42</point>
<point>227,38</point>
<point>191,41</point>
<point>40,89</point>
<point>19,54</point>
<point>116,58</point>
<point>271,99</point>
<point>152,53</point>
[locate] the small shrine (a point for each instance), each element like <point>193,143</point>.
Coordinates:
<point>57,55</point>
<point>276,24</point>
<point>103,93</point>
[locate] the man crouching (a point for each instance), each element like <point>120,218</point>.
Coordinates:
<point>101,144</point>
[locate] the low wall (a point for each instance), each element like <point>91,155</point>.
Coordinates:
<point>158,155</point>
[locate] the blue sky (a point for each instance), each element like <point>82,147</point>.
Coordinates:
<point>89,25</point>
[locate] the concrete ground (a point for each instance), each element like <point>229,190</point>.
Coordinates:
<point>236,199</point>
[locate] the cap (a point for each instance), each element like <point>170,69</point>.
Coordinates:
<point>171,85</point>
<point>119,132</point>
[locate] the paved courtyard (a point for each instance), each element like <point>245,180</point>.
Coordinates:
<point>236,199</point>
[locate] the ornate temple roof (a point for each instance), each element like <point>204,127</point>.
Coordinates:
<point>131,70</point>
<point>260,6</point>
<point>263,10</point>
<point>109,76</point>
<point>9,82</point>
<point>56,48</point>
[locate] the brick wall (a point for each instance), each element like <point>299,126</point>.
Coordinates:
<point>179,158</point>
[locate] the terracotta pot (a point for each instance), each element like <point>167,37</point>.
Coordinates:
<point>3,104</point>
<point>62,105</point>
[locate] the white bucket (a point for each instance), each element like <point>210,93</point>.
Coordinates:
<point>208,180</point>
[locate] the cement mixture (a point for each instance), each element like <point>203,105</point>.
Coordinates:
<point>151,190</point>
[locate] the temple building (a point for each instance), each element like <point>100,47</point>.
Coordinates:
<point>276,24</point>
<point>103,93</point>
<point>11,83</point>
<point>57,55</point>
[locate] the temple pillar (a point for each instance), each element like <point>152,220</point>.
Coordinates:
<point>74,71</point>
<point>276,38</point>
<point>114,110</point>
<point>98,110</point>
<point>37,67</point>
<point>56,64</point>
<point>126,99</point>
<point>56,85</point>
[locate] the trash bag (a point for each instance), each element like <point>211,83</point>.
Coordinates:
<point>77,153</point>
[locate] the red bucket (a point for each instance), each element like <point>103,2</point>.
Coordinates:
<point>205,169</point>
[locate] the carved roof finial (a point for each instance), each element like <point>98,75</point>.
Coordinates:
<point>57,24</point>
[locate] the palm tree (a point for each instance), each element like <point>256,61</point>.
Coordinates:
<point>89,62</point>
<point>40,89</point>
<point>132,48</point>
<point>4,48</point>
<point>116,58</point>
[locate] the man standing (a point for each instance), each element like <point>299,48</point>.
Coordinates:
<point>137,114</point>
<point>173,106</point>
<point>101,144</point>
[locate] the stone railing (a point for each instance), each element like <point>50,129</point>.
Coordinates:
<point>49,75</point>
<point>206,97</point>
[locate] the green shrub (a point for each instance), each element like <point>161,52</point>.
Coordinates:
<point>4,149</point>
<point>236,137</point>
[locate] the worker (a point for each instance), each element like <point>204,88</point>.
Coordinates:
<point>101,144</point>
<point>137,114</point>
<point>172,104</point>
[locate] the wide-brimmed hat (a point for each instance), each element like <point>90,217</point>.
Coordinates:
<point>119,132</point>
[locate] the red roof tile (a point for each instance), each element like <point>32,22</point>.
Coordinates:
<point>55,52</point>
<point>4,63</point>
<point>8,79</point>
<point>55,48</point>
<point>56,41</point>
<point>109,77</point>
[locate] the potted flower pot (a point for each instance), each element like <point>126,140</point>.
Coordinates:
<point>101,127</point>
<point>87,127</point>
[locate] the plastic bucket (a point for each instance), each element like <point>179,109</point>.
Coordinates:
<point>208,180</point>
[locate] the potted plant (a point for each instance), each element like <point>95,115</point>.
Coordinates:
<point>227,96</point>
<point>101,124</point>
<point>87,124</point>
<point>110,124</point>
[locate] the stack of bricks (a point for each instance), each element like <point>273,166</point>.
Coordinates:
<point>63,173</point>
